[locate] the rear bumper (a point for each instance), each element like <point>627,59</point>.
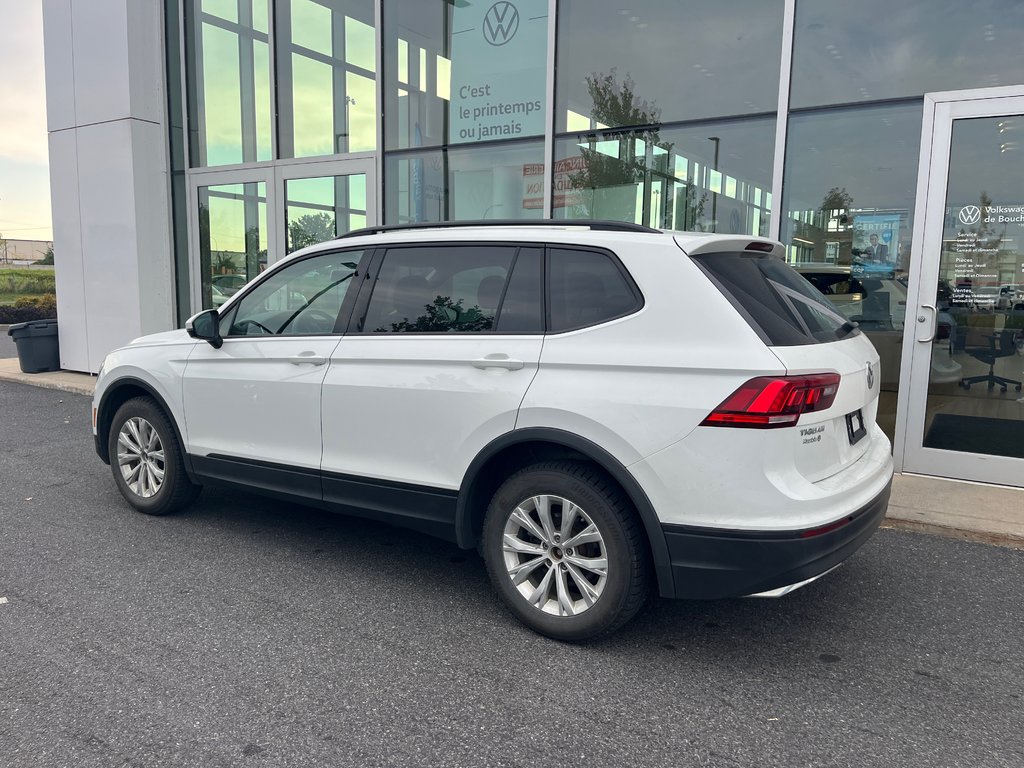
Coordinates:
<point>710,563</point>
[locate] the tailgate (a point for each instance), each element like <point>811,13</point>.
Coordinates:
<point>826,442</point>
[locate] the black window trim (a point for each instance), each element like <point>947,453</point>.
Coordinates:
<point>344,313</point>
<point>362,304</point>
<point>638,296</point>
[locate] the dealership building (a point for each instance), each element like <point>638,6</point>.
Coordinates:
<point>194,142</point>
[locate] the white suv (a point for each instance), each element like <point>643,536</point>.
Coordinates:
<point>598,407</point>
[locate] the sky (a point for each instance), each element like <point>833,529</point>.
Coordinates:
<point>24,166</point>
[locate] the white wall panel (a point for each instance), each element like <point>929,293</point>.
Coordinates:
<point>145,70</point>
<point>68,270</point>
<point>152,227</point>
<point>100,40</point>
<point>60,66</point>
<point>109,245</point>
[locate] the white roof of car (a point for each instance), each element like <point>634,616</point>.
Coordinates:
<point>576,232</point>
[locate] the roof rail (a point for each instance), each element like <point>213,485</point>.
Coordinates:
<point>602,226</point>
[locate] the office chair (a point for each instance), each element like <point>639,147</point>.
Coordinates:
<point>1000,344</point>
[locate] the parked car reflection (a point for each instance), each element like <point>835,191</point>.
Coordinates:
<point>877,302</point>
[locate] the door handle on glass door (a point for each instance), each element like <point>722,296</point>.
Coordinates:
<point>934,324</point>
<point>498,361</point>
<point>307,358</point>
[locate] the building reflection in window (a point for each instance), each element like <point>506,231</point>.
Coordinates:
<point>323,208</point>
<point>326,75</point>
<point>232,238</point>
<point>698,59</point>
<point>229,81</point>
<point>712,177</point>
<point>489,181</point>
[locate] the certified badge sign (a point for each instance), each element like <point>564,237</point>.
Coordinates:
<point>501,23</point>
<point>970,214</point>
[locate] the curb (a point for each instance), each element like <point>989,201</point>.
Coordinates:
<point>1008,540</point>
<point>65,381</point>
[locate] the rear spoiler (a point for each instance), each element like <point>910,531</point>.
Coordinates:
<point>733,244</point>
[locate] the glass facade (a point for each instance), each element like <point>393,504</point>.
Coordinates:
<point>662,61</point>
<point>326,77</point>
<point>659,113</point>
<point>462,72</point>
<point>889,51</point>
<point>489,181</point>
<point>228,61</point>
<point>715,176</point>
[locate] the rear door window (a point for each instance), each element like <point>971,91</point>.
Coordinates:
<point>439,289</point>
<point>783,307</point>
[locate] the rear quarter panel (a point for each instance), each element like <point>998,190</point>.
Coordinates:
<point>642,382</point>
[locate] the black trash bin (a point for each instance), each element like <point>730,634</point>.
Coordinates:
<point>38,348</point>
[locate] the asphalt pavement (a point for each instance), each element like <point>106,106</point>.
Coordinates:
<point>251,632</point>
<point>8,347</point>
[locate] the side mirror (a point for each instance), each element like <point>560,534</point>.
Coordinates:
<point>205,326</point>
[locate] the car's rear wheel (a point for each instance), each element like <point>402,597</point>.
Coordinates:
<point>565,550</point>
<point>146,459</point>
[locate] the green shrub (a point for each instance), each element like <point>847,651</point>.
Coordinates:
<point>29,308</point>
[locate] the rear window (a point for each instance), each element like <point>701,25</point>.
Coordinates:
<point>779,304</point>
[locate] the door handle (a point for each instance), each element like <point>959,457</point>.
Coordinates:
<point>921,319</point>
<point>498,361</point>
<point>307,358</point>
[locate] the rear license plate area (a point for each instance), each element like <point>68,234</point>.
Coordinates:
<point>855,428</point>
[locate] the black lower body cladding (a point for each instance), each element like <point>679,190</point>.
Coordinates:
<point>710,564</point>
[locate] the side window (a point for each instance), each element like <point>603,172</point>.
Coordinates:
<point>439,289</point>
<point>301,299</point>
<point>586,288</point>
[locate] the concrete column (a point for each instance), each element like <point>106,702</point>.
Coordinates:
<point>109,174</point>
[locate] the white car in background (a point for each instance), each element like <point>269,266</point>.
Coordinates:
<point>602,409</point>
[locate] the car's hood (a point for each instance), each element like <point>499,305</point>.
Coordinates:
<point>179,336</point>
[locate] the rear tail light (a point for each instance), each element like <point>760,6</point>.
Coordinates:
<point>768,402</point>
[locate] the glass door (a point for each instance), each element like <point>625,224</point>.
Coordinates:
<point>323,200</point>
<point>243,220</point>
<point>962,414</point>
<point>231,230</point>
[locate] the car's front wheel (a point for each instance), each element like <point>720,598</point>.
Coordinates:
<point>146,459</point>
<point>565,550</point>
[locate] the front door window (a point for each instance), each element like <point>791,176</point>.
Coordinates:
<point>304,298</point>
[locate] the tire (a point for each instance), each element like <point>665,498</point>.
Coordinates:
<point>519,546</point>
<point>149,447</point>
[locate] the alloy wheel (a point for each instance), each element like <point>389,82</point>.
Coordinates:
<point>140,456</point>
<point>555,555</point>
